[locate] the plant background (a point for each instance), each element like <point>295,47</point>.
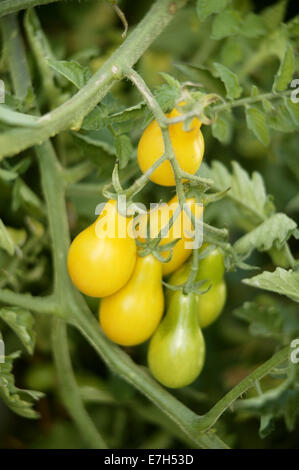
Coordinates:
<point>89,32</point>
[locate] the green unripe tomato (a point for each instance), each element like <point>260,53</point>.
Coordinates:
<point>210,304</point>
<point>212,266</point>
<point>177,350</point>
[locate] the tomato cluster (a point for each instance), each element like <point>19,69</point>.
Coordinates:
<point>107,266</point>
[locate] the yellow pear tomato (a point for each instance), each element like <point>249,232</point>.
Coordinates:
<point>100,261</point>
<point>188,147</point>
<point>131,315</point>
<point>181,229</point>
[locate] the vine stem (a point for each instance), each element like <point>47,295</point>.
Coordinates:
<point>72,306</point>
<point>122,365</point>
<point>13,6</point>
<point>210,418</point>
<point>34,303</point>
<point>69,389</point>
<point>154,106</point>
<point>71,113</point>
<point>53,304</point>
<point>233,104</point>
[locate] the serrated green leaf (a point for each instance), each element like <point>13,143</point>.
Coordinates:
<point>7,175</point>
<point>222,129</point>
<point>280,281</point>
<point>128,114</point>
<point>226,24</point>
<point>18,400</point>
<point>293,27</point>
<point>281,401</point>
<point>293,109</point>
<point>23,197</point>
<point>231,52</point>
<point>172,82</point>
<point>286,70</point>
<point>281,120</point>
<point>72,71</point>
<point>206,8</point>
<point>253,26</point>
<point>247,193</point>
<point>167,96</point>
<point>274,231</point>
<point>264,320</point>
<point>230,80</point>
<point>101,138</point>
<point>6,242</point>
<point>22,323</point>
<point>256,122</point>
<point>274,14</point>
<point>267,105</point>
<point>124,150</point>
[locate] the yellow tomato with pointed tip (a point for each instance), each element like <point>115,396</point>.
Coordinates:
<point>188,147</point>
<point>181,229</point>
<point>131,315</point>
<point>100,261</point>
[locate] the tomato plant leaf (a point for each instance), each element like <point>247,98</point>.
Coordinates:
<point>23,197</point>
<point>264,320</point>
<point>72,71</point>
<point>206,8</point>
<point>253,26</point>
<point>226,24</point>
<point>22,323</point>
<point>247,193</point>
<point>286,70</point>
<point>6,242</point>
<point>100,138</point>
<point>123,149</point>
<point>274,231</point>
<point>222,128</point>
<point>280,281</point>
<point>230,80</point>
<point>256,122</point>
<point>20,401</point>
<point>274,14</point>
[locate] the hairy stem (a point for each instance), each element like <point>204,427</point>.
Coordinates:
<point>210,418</point>
<point>13,6</point>
<point>71,114</point>
<point>69,388</point>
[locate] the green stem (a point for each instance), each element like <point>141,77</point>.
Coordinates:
<point>234,104</point>
<point>13,6</point>
<point>251,100</point>
<point>77,173</point>
<point>34,303</point>
<point>16,56</point>
<point>154,106</point>
<point>210,418</point>
<point>122,365</point>
<point>71,114</point>
<point>69,388</point>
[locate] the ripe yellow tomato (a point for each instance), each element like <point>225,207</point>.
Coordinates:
<point>181,229</point>
<point>188,147</point>
<point>131,315</point>
<point>99,261</point>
